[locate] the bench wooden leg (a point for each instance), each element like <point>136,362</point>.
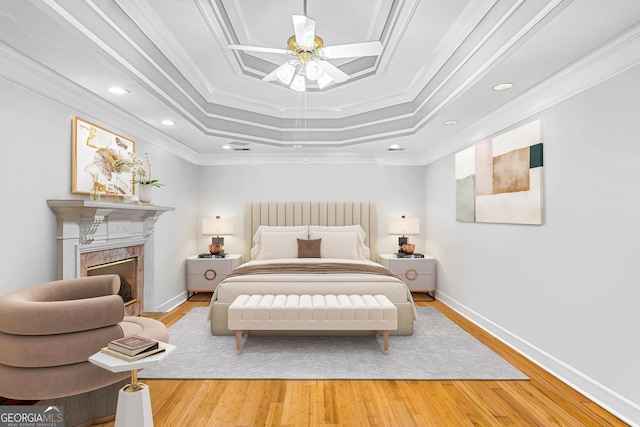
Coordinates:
<point>238,342</point>
<point>386,341</point>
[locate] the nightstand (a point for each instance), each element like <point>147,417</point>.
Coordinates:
<point>204,274</point>
<point>417,273</point>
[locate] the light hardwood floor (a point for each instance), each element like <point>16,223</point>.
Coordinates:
<point>542,401</point>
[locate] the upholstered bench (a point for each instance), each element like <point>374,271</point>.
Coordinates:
<point>312,312</point>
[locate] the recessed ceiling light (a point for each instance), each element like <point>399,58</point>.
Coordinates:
<point>395,147</point>
<point>503,86</point>
<point>118,90</point>
<point>168,122</point>
<point>450,122</point>
<point>226,147</point>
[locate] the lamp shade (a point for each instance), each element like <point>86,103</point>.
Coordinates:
<point>217,226</point>
<point>403,226</point>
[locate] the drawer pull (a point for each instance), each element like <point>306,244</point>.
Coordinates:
<point>411,274</point>
<point>210,274</point>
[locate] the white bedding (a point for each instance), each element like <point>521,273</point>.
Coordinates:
<point>314,284</point>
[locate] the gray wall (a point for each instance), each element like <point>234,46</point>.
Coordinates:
<point>36,143</point>
<point>565,293</point>
<point>223,190</point>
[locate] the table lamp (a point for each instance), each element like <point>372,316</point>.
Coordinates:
<point>217,226</point>
<point>404,226</point>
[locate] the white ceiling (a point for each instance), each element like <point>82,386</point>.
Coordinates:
<point>440,60</point>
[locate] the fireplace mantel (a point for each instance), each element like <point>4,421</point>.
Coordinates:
<point>85,226</point>
<point>86,220</point>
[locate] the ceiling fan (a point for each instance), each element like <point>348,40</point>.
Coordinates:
<point>310,62</point>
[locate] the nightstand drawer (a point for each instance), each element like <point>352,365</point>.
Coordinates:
<point>204,274</point>
<point>417,282</point>
<point>416,264</point>
<point>417,273</point>
<point>207,281</point>
<point>221,266</point>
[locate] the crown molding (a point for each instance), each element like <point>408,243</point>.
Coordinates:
<point>311,158</point>
<point>611,59</point>
<point>31,75</point>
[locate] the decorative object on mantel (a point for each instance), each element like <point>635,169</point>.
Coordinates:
<point>500,180</point>
<point>101,162</point>
<point>144,193</point>
<point>144,180</point>
<point>105,164</point>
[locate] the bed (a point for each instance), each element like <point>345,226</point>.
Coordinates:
<point>321,248</point>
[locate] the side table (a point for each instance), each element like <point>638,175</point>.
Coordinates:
<point>134,401</point>
<point>417,273</point>
<point>204,274</point>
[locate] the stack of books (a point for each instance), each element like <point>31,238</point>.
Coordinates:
<point>405,255</point>
<point>132,348</point>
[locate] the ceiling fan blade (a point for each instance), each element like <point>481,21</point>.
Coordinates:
<point>305,30</point>
<point>334,72</point>
<point>257,49</point>
<point>372,48</point>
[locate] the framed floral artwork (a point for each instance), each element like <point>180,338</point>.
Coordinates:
<point>101,160</point>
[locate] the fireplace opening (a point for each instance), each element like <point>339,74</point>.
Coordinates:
<point>126,269</point>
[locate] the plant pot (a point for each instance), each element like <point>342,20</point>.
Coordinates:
<point>145,193</point>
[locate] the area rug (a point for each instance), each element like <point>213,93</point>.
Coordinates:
<point>438,350</point>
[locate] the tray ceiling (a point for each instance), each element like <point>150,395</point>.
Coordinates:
<point>440,61</point>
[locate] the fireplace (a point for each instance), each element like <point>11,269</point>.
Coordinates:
<point>109,238</point>
<point>126,263</point>
<point>126,270</point>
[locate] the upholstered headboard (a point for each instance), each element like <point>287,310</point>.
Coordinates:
<point>312,213</point>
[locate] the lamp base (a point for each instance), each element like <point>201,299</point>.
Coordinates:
<point>401,242</point>
<point>217,246</point>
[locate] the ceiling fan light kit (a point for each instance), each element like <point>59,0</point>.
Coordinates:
<point>310,57</point>
<point>285,72</point>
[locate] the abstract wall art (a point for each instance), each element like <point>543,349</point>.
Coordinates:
<point>500,180</point>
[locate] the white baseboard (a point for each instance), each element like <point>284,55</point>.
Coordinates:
<point>615,403</point>
<point>173,302</point>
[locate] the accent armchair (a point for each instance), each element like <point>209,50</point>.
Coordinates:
<point>47,333</point>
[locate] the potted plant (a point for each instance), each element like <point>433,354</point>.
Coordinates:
<point>143,178</point>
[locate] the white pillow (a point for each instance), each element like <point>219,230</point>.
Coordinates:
<point>257,237</point>
<point>277,228</point>
<point>363,250</point>
<point>281,244</point>
<point>337,245</point>
<point>356,228</point>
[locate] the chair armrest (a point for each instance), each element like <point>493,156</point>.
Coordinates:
<point>62,306</point>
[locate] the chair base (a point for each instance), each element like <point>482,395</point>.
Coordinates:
<point>92,407</point>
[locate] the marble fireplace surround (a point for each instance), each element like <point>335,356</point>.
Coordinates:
<point>97,258</point>
<point>91,233</point>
